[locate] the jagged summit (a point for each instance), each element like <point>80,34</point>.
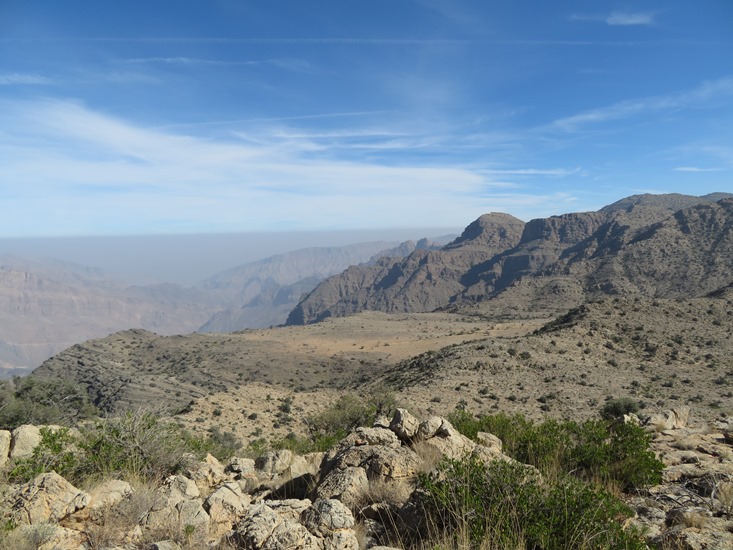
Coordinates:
<point>491,229</point>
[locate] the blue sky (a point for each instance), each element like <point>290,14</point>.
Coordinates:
<point>271,115</point>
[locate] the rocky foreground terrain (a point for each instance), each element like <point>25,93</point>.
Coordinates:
<point>359,494</point>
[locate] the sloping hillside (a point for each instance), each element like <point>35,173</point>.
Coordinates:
<point>661,352</point>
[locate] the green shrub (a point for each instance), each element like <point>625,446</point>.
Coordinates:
<point>616,408</point>
<point>350,412</point>
<point>607,453</point>
<point>56,452</point>
<point>32,400</point>
<point>136,444</point>
<point>507,505</point>
<point>221,444</point>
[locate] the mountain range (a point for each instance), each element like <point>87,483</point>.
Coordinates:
<point>646,245</point>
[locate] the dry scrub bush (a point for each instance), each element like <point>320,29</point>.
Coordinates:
<point>27,537</point>
<point>114,523</point>
<point>724,494</point>
<point>394,493</point>
<point>430,456</point>
<point>188,537</point>
<point>694,520</point>
<point>134,445</point>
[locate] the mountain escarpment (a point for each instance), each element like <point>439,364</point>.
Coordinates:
<point>650,245</point>
<point>422,281</point>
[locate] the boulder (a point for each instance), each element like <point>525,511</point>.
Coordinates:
<point>191,512</point>
<point>347,485</point>
<point>333,522</point>
<point>273,463</point>
<point>490,441</point>
<point>673,419</point>
<point>291,508</point>
<point>404,425</point>
<point>64,539</point>
<point>177,505</point>
<point>176,489</point>
<point>267,528</point>
<point>239,466</point>
<point>326,516</point>
<point>428,428</point>
<point>108,494</point>
<point>360,438</point>
<point>48,498</point>
<point>226,503</point>
<point>207,474</point>
<point>439,433</point>
<point>273,525</point>
<point>24,439</point>
<point>388,464</point>
<point>300,466</point>
<point>101,497</point>
<point>185,513</point>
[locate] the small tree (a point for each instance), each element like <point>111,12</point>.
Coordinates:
<point>616,408</point>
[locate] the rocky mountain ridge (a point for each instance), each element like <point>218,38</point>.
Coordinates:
<point>420,282</point>
<point>641,244</point>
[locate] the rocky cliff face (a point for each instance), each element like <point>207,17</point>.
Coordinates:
<point>423,281</point>
<point>643,244</point>
<point>686,254</point>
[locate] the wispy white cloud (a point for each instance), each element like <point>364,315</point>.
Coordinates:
<point>628,18</point>
<point>618,18</point>
<point>326,40</point>
<point>696,169</point>
<point>704,93</point>
<point>360,132</point>
<point>538,171</point>
<point>188,61</point>
<point>72,170</point>
<point>10,79</point>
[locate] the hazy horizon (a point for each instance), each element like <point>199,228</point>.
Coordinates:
<point>189,259</point>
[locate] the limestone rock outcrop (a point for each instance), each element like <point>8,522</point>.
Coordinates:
<point>48,498</point>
